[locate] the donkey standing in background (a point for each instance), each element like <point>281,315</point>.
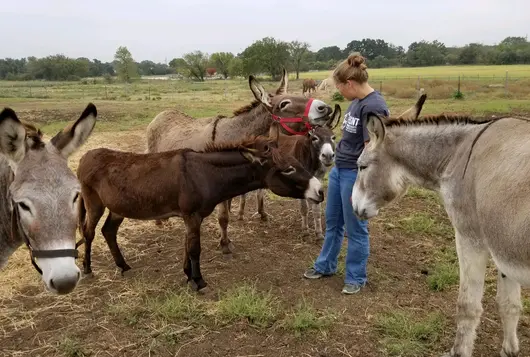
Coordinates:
<point>38,196</point>
<point>481,170</point>
<point>183,183</point>
<point>172,129</point>
<point>316,152</point>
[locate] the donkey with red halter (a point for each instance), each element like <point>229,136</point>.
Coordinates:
<point>38,196</point>
<point>172,129</point>
<point>316,152</point>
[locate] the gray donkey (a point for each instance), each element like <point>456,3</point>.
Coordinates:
<point>481,170</point>
<point>39,195</point>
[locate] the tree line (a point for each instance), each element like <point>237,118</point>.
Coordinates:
<point>267,56</point>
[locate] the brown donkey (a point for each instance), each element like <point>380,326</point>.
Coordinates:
<point>183,183</point>
<point>316,152</point>
<point>172,129</point>
<point>38,195</point>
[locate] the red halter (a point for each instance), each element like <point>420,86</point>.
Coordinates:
<point>308,126</point>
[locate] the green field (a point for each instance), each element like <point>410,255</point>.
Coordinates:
<point>515,71</point>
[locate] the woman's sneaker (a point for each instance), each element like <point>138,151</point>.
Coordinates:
<point>350,289</point>
<point>311,273</point>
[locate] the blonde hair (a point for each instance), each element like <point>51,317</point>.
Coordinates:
<point>353,68</point>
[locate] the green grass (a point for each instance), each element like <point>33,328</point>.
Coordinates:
<point>176,306</point>
<point>305,318</point>
<point>247,303</point>
<point>403,335</point>
<point>71,347</point>
<point>437,71</point>
<point>444,272</point>
<point>424,223</point>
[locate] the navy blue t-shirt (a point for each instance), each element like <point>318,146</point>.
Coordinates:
<point>354,132</point>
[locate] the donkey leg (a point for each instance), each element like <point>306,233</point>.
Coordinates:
<point>94,211</point>
<point>318,221</point>
<point>261,211</point>
<point>242,202</point>
<point>472,264</point>
<point>509,305</point>
<point>303,213</point>
<point>110,232</point>
<point>193,248</point>
<point>222,218</point>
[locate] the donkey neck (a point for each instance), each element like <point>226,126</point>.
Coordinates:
<point>8,243</point>
<point>425,152</point>
<point>256,121</point>
<point>229,174</point>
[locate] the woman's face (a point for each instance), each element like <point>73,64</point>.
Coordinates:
<point>347,89</point>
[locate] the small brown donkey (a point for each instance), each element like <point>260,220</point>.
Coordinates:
<point>38,196</point>
<point>184,183</point>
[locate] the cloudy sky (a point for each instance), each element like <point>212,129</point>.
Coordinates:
<point>160,29</point>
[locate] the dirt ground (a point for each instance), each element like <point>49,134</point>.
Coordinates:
<point>110,315</point>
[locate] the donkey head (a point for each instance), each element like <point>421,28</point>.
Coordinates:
<point>297,110</point>
<point>283,174</point>
<point>43,194</point>
<point>380,177</point>
<point>323,142</point>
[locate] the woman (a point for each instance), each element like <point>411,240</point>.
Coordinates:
<point>351,79</point>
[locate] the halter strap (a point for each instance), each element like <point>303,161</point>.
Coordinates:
<point>283,121</point>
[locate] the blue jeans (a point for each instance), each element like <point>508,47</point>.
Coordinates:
<point>339,211</point>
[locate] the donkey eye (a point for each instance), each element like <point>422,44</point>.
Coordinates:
<point>289,171</point>
<point>284,104</point>
<point>76,197</point>
<point>314,138</point>
<point>362,167</point>
<point>333,138</point>
<point>24,206</point>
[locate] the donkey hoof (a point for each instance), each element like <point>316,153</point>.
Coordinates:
<point>125,268</point>
<point>505,353</point>
<point>197,284</point>
<point>88,275</point>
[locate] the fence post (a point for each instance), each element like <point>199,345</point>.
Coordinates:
<point>30,91</point>
<point>506,84</point>
<point>458,84</point>
<point>149,95</point>
<point>418,84</point>
<point>106,93</point>
<point>381,87</point>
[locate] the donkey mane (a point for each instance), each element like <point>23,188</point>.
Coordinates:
<point>247,108</point>
<point>440,119</point>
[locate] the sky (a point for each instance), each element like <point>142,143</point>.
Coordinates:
<point>160,30</point>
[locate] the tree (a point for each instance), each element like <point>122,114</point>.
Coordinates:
<point>297,50</point>
<point>196,64</point>
<point>236,67</point>
<point>222,61</point>
<point>266,55</point>
<point>330,53</point>
<point>125,66</point>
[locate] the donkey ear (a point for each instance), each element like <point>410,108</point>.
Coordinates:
<point>282,89</point>
<point>337,113</point>
<point>253,158</point>
<point>376,129</point>
<point>414,112</point>
<point>75,135</point>
<point>12,137</point>
<point>274,132</point>
<point>259,92</point>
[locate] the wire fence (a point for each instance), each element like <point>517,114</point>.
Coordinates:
<point>437,87</point>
